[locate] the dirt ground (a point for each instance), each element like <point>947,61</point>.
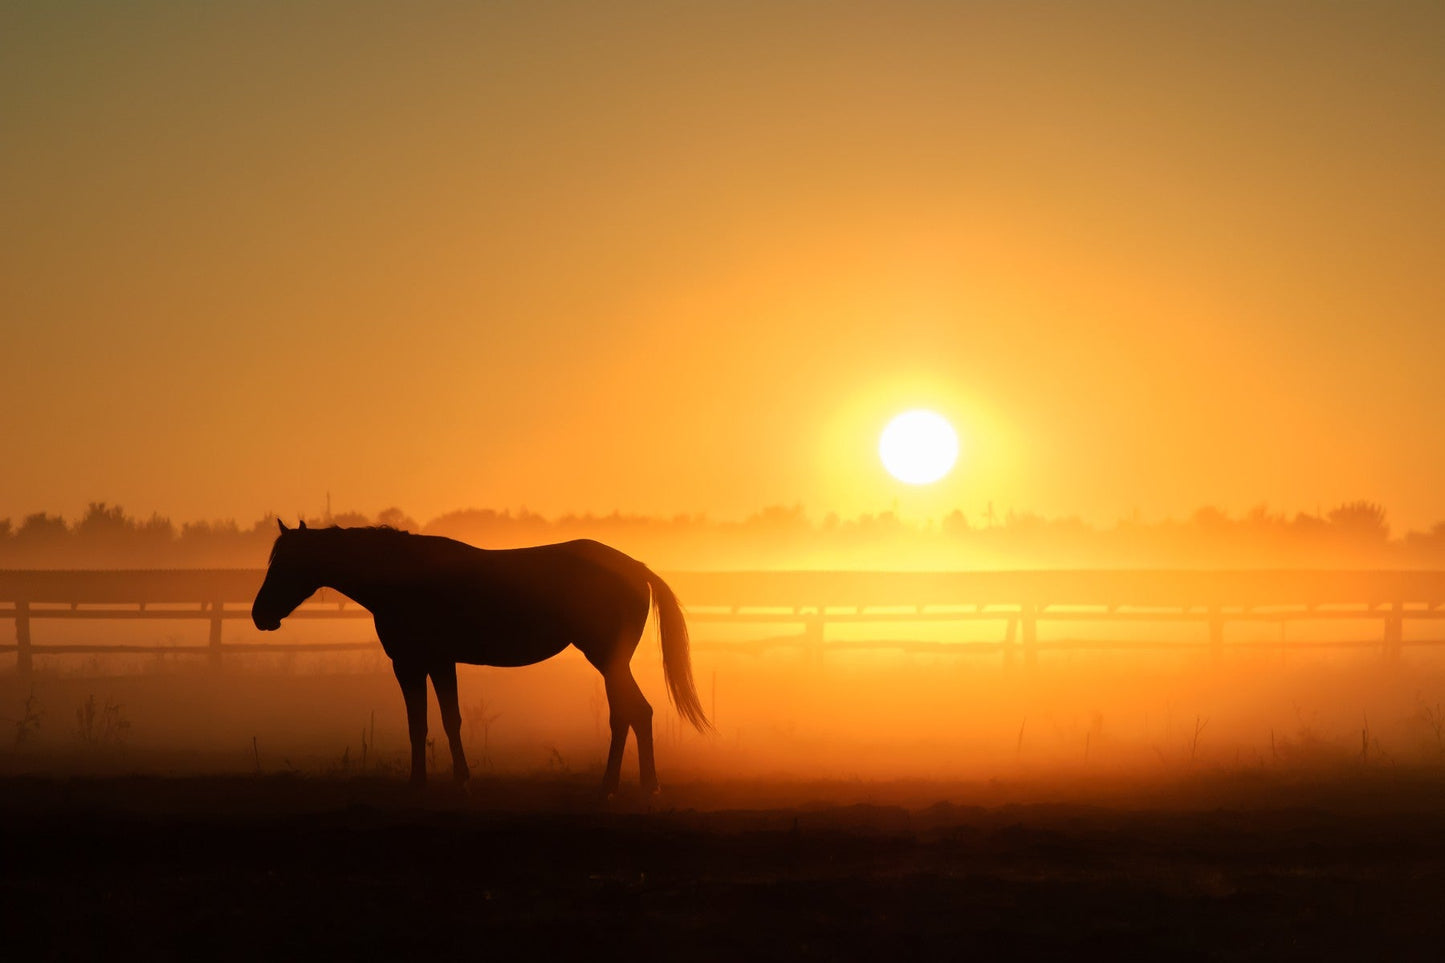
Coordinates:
<point>1210,866</point>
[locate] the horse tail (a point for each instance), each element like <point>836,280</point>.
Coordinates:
<point>676,658</point>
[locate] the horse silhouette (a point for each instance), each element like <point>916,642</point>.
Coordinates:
<point>437,602</point>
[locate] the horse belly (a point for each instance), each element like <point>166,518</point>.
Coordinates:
<point>505,649</point>
<point>514,621</point>
<point>511,635</point>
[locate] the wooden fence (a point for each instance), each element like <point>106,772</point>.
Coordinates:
<point>808,601</point>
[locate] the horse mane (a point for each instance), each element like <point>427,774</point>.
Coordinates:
<point>369,532</point>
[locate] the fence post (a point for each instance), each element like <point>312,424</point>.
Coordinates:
<point>23,663</point>
<point>1216,634</point>
<point>1395,631</point>
<point>813,636</point>
<point>218,610</point>
<point>1027,621</point>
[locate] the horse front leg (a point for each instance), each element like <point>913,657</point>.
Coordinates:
<point>444,681</point>
<point>413,689</point>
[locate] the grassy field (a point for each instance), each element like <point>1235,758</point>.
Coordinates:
<point>1215,865</point>
<point>872,806</point>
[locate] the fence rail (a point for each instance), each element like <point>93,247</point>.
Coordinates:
<point>808,600</point>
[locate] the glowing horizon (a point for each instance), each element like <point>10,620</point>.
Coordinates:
<point>1146,259</point>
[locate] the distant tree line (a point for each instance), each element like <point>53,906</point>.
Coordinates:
<point>1355,534</point>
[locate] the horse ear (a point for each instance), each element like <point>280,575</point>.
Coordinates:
<point>302,526</point>
<point>282,525</point>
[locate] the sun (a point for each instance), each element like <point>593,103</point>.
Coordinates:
<point>918,447</point>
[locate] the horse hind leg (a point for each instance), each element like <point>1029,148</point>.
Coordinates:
<point>642,728</point>
<point>628,709</point>
<point>444,681</point>
<point>617,722</point>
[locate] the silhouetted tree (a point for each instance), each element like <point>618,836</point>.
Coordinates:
<point>1428,543</point>
<point>1262,521</point>
<point>155,532</point>
<point>778,536</point>
<point>204,531</point>
<point>1308,525</point>
<point>41,528</point>
<point>102,521</point>
<point>396,518</point>
<point>1360,520</point>
<point>778,517</point>
<point>350,519</point>
<point>1210,519</point>
<point>1022,522</point>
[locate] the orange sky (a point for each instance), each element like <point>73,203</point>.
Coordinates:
<point>690,258</point>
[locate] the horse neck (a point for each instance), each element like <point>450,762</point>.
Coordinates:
<point>358,567</point>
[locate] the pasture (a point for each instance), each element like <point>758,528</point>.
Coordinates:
<point>1248,804</point>
<point>1210,866</point>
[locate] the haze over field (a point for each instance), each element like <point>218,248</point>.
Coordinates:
<point>666,259</point>
<point>905,286</point>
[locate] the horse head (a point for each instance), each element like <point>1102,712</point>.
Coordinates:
<point>290,579</point>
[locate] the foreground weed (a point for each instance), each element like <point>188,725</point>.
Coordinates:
<point>478,717</point>
<point>101,727</point>
<point>1434,718</point>
<point>555,762</point>
<point>28,723</point>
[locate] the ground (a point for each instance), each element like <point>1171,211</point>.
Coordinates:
<point>1214,866</point>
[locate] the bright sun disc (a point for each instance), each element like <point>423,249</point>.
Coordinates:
<point>918,447</point>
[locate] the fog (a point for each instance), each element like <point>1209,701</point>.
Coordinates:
<point>821,677</point>
<point>847,715</point>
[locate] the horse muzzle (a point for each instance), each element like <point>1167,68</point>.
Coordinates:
<point>265,623</point>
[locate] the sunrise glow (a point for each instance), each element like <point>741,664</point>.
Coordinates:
<point>893,472</point>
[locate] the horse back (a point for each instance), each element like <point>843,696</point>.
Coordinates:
<point>514,606</point>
